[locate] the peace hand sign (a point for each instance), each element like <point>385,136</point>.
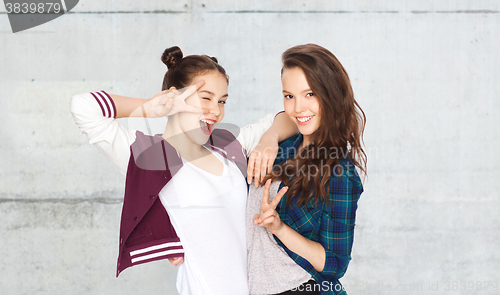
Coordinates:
<point>172,101</point>
<point>269,217</point>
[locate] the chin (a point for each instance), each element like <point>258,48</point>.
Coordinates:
<point>201,139</point>
<point>307,131</point>
<point>197,136</point>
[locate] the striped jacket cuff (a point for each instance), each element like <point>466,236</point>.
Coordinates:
<point>161,251</point>
<point>106,103</point>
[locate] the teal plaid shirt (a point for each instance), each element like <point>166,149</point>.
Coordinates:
<point>331,225</point>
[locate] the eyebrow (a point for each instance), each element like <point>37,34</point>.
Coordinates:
<point>307,90</point>
<point>213,94</point>
<point>209,92</point>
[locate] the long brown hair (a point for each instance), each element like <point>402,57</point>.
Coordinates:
<point>182,70</point>
<point>340,132</point>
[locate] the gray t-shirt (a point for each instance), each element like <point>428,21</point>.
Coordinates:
<point>270,269</point>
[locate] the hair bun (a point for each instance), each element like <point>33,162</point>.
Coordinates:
<point>171,56</point>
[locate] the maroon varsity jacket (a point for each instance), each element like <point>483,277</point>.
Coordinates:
<point>146,233</point>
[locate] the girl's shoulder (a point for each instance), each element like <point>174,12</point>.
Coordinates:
<point>344,190</point>
<point>287,149</point>
<point>345,178</point>
<point>293,140</point>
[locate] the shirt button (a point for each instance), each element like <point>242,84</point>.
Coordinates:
<point>151,197</point>
<point>121,241</point>
<point>165,176</point>
<point>233,157</point>
<point>136,218</point>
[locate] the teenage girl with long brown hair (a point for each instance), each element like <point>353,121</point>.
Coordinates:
<point>301,241</point>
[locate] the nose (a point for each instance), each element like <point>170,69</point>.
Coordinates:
<point>214,109</point>
<point>299,106</point>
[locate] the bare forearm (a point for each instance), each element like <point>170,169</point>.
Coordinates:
<point>163,104</point>
<point>310,250</point>
<point>128,106</point>
<point>283,127</point>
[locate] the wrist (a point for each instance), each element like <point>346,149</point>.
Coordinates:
<point>271,134</point>
<point>147,109</point>
<point>139,107</point>
<point>280,231</point>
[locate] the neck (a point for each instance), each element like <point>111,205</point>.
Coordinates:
<point>180,141</point>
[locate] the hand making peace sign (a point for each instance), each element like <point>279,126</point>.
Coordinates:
<point>172,101</point>
<point>269,217</point>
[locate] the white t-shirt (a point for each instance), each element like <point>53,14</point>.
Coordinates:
<point>207,212</point>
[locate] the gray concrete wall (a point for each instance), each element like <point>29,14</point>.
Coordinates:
<point>425,72</point>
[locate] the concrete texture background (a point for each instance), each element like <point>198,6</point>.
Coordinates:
<point>425,72</point>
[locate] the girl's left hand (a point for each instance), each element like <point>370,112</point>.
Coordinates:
<point>269,217</point>
<point>176,261</point>
<point>172,101</point>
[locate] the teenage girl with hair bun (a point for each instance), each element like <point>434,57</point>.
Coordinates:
<point>300,238</point>
<point>185,193</point>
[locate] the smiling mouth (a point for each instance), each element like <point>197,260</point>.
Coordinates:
<point>207,126</point>
<point>304,120</point>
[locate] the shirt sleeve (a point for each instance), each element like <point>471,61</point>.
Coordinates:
<point>94,113</point>
<point>250,135</point>
<point>337,223</point>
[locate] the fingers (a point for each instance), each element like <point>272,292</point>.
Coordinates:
<point>256,172</point>
<point>263,162</point>
<point>270,163</point>
<point>256,219</point>
<point>251,165</point>
<point>194,109</point>
<point>176,261</point>
<point>264,168</point>
<point>187,92</point>
<point>278,197</point>
<point>257,167</point>
<point>266,215</point>
<point>192,89</point>
<point>199,84</point>
<point>167,96</point>
<point>180,260</point>
<point>265,195</point>
<point>269,220</point>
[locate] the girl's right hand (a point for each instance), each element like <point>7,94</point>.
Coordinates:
<point>261,159</point>
<point>172,101</point>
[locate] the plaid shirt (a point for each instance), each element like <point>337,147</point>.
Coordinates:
<point>331,225</point>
